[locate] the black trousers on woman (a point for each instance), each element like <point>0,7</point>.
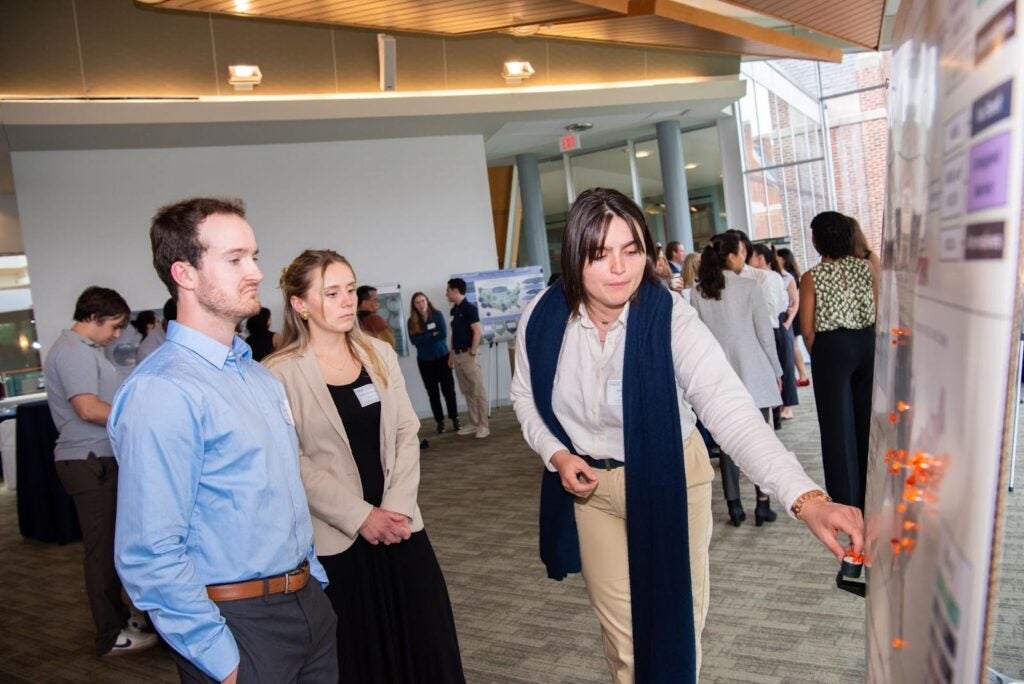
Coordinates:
<point>438,379</point>
<point>842,362</point>
<point>731,471</point>
<point>787,358</point>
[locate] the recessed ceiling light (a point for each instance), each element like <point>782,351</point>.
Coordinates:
<point>643,154</point>
<point>579,126</point>
<point>691,166</point>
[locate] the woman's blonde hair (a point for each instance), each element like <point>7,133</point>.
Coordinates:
<point>691,264</point>
<point>296,281</point>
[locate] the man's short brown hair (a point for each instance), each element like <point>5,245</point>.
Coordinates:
<point>174,233</point>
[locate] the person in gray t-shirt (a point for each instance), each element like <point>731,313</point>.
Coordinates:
<point>80,385</point>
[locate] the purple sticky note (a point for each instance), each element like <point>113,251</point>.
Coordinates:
<point>989,167</point>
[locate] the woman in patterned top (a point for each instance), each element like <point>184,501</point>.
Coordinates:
<point>837,316</point>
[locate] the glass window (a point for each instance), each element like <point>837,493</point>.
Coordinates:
<point>856,71</point>
<point>604,169</point>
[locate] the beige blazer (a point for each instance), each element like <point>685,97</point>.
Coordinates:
<point>329,472</point>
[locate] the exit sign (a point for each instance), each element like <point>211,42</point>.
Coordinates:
<point>569,142</point>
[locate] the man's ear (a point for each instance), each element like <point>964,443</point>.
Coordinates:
<point>184,274</point>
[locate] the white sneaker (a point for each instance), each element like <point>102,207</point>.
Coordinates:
<point>130,641</point>
<point>467,430</point>
<point>483,432</point>
<point>139,622</point>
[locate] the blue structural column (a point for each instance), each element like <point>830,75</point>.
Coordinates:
<point>534,228</point>
<point>673,179</point>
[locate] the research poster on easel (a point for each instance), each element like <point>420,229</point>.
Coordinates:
<point>948,328</point>
<point>501,297</point>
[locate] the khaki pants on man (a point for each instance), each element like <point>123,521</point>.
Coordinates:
<point>471,382</point>
<point>601,522</point>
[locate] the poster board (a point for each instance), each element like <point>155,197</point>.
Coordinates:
<point>947,334</point>
<point>392,310</point>
<point>501,297</point>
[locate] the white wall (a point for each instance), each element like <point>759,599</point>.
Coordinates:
<point>411,211</point>
<point>10,228</point>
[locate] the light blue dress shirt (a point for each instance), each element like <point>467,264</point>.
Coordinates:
<point>208,490</point>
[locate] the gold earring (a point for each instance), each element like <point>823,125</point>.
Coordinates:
<point>304,315</point>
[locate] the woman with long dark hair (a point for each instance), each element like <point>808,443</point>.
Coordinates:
<point>788,263</point>
<point>429,335</point>
<point>608,364</point>
<point>145,323</point>
<point>261,337</point>
<point>359,460</point>
<point>838,298</point>
<point>735,311</point>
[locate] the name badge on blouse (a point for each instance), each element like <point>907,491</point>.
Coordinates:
<point>286,411</point>
<point>367,394</point>
<point>613,393</point>
<point>431,326</point>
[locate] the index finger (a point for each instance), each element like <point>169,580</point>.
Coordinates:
<point>854,529</point>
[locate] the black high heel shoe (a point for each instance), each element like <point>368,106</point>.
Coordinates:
<point>736,514</point>
<point>764,513</point>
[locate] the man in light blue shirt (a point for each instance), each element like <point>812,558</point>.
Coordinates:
<point>214,537</point>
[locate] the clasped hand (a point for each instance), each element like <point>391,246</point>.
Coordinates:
<point>385,526</point>
<point>578,478</point>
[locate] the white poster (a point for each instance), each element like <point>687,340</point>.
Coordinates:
<point>946,338</point>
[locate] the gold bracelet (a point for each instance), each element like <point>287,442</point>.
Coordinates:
<point>798,505</point>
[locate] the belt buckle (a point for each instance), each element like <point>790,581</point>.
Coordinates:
<point>287,583</point>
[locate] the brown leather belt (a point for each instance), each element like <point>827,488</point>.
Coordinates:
<point>289,583</point>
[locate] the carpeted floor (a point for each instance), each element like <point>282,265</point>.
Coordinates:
<point>776,615</point>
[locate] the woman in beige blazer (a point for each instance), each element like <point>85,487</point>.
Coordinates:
<point>359,457</point>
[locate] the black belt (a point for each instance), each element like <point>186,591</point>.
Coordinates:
<point>461,351</point>
<point>602,463</point>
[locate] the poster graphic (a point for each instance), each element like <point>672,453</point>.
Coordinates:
<point>945,344</point>
<point>393,311</point>
<point>501,296</point>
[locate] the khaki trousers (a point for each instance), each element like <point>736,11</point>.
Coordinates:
<point>471,382</point>
<point>601,521</point>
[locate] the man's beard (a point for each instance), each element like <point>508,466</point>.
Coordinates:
<point>225,307</point>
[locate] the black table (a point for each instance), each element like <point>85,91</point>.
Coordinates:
<point>45,511</point>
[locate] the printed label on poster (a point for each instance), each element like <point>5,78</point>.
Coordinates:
<point>951,244</point>
<point>985,241</point>
<point>995,32</point>
<point>990,164</point>
<point>991,107</point>
<point>956,130</point>
<point>954,187</point>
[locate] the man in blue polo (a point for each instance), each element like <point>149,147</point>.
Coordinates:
<point>214,537</point>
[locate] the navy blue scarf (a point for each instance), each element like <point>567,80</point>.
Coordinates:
<point>656,518</point>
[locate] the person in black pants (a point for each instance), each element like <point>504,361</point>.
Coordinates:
<point>837,305</point>
<point>429,333</point>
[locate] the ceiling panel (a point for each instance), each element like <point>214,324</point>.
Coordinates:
<point>658,31</point>
<point>855,21</point>
<point>426,16</point>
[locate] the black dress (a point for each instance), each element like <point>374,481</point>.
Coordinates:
<point>395,623</point>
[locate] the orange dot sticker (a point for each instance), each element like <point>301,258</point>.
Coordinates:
<point>901,508</point>
<point>898,643</point>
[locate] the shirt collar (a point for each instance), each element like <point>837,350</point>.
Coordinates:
<point>208,348</point>
<point>71,334</point>
<point>587,322</point>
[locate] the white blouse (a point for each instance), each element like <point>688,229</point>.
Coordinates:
<point>587,399</point>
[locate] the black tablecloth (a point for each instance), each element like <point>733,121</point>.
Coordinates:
<point>45,511</point>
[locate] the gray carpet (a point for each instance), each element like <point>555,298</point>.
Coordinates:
<point>775,613</point>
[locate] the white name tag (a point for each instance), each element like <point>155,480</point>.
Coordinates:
<point>431,326</point>
<point>367,394</point>
<point>286,411</point>
<point>613,393</point>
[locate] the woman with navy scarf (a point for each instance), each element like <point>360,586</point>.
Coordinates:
<point>608,363</point>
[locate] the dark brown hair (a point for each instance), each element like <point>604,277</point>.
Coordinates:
<point>711,275</point>
<point>100,303</point>
<point>586,228</point>
<point>174,233</point>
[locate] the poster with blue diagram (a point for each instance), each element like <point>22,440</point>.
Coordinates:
<point>501,297</point>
